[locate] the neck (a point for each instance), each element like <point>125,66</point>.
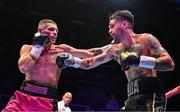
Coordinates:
<point>129,38</point>
<point>47,48</point>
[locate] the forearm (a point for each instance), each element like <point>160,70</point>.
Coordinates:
<point>67,60</point>
<point>88,63</point>
<point>164,64</point>
<point>26,63</point>
<point>81,53</point>
<point>93,62</point>
<point>99,50</point>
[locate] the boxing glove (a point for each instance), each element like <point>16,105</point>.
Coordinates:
<point>133,59</point>
<point>67,60</point>
<point>39,42</point>
<point>129,59</point>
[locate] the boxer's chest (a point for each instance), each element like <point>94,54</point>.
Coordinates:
<point>138,47</point>
<point>49,58</point>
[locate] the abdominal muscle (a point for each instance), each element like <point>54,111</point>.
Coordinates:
<point>45,72</point>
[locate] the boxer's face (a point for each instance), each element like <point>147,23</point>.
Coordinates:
<point>51,30</point>
<point>116,29</point>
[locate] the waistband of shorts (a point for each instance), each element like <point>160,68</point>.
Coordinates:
<point>34,89</point>
<point>145,85</point>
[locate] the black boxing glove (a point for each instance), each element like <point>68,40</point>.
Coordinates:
<point>67,60</point>
<point>39,42</point>
<point>60,60</point>
<point>133,59</point>
<point>129,59</point>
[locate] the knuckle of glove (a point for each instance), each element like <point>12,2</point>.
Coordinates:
<point>129,56</point>
<point>41,39</point>
<point>65,60</point>
<point>64,55</point>
<point>69,61</point>
<point>60,62</point>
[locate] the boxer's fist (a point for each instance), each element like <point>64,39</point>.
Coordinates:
<point>65,60</point>
<point>39,42</point>
<point>129,59</point>
<point>40,39</point>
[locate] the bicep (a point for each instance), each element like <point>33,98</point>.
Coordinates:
<point>24,54</point>
<point>82,53</point>
<point>155,47</point>
<point>164,61</point>
<point>25,60</point>
<point>25,49</point>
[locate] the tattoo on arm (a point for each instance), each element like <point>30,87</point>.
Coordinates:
<point>86,63</point>
<point>96,51</point>
<point>99,50</point>
<point>100,58</point>
<point>164,64</point>
<point>163,60</point>
<point>95,61</point>
<point>156,47</point>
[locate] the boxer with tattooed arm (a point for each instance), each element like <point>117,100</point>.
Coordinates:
<point>140,57</point>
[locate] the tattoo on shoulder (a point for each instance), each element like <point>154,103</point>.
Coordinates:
<point>155,44</point>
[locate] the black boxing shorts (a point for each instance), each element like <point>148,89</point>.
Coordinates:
<point>145,94</point>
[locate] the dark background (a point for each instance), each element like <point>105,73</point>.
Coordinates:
<point>84,24</point>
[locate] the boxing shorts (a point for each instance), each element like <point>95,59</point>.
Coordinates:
<point>33,97</point>
<point>145,94</point>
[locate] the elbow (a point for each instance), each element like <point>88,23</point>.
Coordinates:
<point>22,68</point>
<point>172,65</point>
<point>167,65</point>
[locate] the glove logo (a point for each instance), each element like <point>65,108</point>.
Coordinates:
<point>126,54</point>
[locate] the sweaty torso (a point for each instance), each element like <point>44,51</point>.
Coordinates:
<point>141,47</point>
<point>45,70</point>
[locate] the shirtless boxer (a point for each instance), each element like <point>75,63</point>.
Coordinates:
<point>38,63</point>
<point>140,57</point>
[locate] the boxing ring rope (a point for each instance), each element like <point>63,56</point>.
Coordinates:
<point>173,92</point>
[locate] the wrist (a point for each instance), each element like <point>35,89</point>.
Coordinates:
<point>77,62</point>
<point>147,62</point>
<point>36,51</point>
